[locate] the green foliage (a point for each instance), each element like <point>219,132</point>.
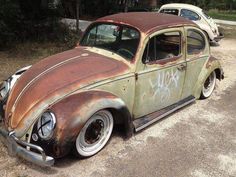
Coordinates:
<point>223,15</point>
<point>27,20</point>
<point>10,18</point>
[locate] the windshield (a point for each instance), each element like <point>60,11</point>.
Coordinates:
<point>120,39</point>
<point>206,15</point>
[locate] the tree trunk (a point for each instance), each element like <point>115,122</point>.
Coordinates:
<point>126,5</point>
<point>231,6</point>
<point>77,15</point>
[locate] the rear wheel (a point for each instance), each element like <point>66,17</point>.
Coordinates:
<point>208,85</point>
<point>95,134</point>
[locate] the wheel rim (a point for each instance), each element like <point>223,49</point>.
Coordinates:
<point>95,133</point>
<point>209,85</point>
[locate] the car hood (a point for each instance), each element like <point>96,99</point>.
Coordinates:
<point>55,78</point>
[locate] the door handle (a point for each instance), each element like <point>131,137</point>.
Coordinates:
<point>182,67</point>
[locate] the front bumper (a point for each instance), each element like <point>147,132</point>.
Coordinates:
<point>23,149</point>
<point>219,37</point>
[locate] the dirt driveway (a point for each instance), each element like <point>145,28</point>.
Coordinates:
<point>198,141</point>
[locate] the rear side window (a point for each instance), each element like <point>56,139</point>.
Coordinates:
<point>189,15</point>
<point>163,46</point>
<point>195,42</point>
<point>170,11</point>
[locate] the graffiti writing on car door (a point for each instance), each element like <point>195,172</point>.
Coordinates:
<point>163,83</point>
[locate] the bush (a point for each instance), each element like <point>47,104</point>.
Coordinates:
<point>10,19</point>
<point>27,20</point>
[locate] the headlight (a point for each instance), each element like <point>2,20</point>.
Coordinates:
<point>4,90</point>
<point>7,85</point>
<point>46,125</point>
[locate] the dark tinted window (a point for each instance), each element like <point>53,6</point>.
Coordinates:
<point>189,15</point>
<point>170,11</point>
<point>163,46</point>
<point>195,42</point>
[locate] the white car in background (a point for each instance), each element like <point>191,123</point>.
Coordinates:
<point>197,15</point>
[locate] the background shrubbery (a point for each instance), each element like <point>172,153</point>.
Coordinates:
<point>37,20</point>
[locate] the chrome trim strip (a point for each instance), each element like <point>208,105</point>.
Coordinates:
<point>32,146</point>
<point>164,115</point>
<point>14,148</point>
<point>39,76</point>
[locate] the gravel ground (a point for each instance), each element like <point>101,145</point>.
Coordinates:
<point>197,141</point>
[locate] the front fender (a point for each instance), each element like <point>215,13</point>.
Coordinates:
<point>212,64</point>
<point>73,112</point>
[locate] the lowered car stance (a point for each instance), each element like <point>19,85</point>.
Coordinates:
<point>129,69</point>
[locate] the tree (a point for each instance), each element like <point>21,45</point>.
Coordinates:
<point>126,5</point>
<point>231,3</point>
<point>77,15</point>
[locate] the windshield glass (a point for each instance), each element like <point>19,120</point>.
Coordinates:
<point>120,39</point>
<point>206,15</point>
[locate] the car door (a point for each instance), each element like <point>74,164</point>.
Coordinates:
<point>160,77</point>
<point>197,53</point>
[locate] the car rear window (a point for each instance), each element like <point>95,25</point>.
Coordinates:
<point>170,11</point>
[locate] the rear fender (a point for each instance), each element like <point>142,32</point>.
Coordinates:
<point>208,30</point>
<point>212,64</point>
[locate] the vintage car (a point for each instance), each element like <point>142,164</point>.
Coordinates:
<point>197,15</point>
<point>129,69</point>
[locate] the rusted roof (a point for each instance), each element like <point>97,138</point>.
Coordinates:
<point>147,21</point>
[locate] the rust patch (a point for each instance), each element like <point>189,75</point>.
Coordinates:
<point>147,21</point>
<point>58,81</point>
<point>171,60</point>
<point>210,60</point>
<point>71,114</point>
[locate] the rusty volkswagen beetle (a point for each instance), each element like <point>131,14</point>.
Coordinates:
<point>130,69</point>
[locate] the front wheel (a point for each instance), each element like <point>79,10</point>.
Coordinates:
<point>208,85</point>
<point>95,134</point>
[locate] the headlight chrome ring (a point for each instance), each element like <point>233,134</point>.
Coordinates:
<point>4,90</point>
<point>46,125</point>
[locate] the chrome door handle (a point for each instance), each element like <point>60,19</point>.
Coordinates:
<point>182,67</point>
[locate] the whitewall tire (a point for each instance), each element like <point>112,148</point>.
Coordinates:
<point>95,134</point>
<point>209,85</point>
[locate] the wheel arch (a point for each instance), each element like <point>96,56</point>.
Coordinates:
<point>219,73</point>
<point>74,111</point>
<point>212,64</point>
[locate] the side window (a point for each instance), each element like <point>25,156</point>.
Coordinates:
<point>195,42</point>
<point>149,52</point>
<point>189,15</point>
<point>163,46</point>
<point>170,11</point>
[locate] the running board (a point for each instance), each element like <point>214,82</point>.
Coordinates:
<point>149,119</point>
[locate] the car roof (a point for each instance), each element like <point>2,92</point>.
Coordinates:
<point>147,21</point>
<point>182,6</point>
